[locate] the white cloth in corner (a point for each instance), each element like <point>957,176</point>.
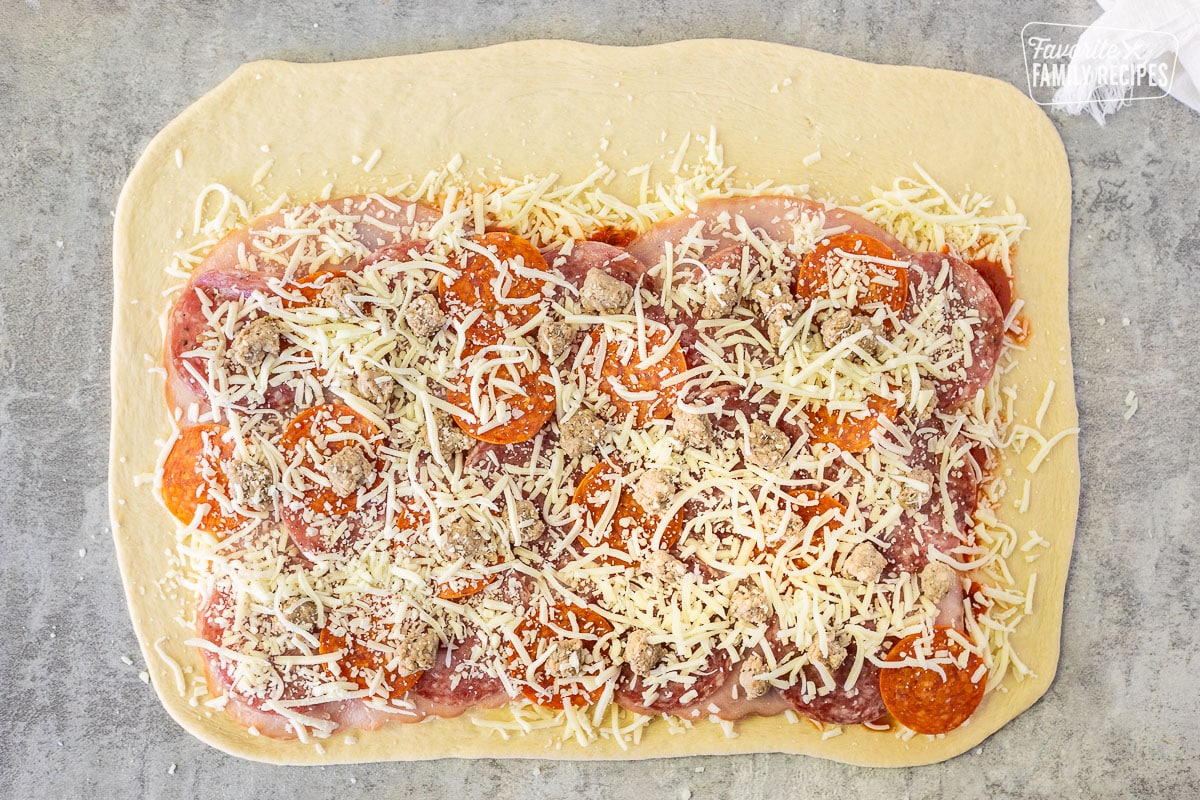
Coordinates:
<point>1181,18</point>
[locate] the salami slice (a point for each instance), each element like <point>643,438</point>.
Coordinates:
<point>909,543</point>
<point>319,534</point>
<point>719,278</point>
<point>839,705</point>
<point>930,447</point>
<point>735,402</point>
<point>919,530</point>
<point>967,299</point>
<point>678,698</point>
<point>997,279</point>
<point>454,683</point>
<point>215,624</point>
<point>188,330</point>
<point>586,255</point>
<point>530,467</point>
<point>520,460</point>
<point>489,458</point>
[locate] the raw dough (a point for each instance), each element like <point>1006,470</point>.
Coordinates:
<point>535,107</point>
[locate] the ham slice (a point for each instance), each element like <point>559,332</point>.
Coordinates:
<point>773,217</point>
<point>252,711</point>
<point>365,716</point>
<point>267,723</point>
<point>344,714</point>
<point>950,608</point>
<point>732,703</point>
<point>371,221</point>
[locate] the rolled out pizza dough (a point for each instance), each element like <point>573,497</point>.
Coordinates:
<point>545,106</point>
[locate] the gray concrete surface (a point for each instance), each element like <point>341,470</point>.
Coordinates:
<point>83,86</point>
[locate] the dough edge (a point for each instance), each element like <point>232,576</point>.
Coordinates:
<point>771,105</point>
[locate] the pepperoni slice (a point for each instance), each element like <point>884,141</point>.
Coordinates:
<point>517,389</point>
<point>310,286</point>
<point>839,705</point>
<point>496,284</point>
<point>849,432</point>
<point>609,234</point>
<point>537,637</point>
<point>362,658</point>
<point>676,696</point>
<point>193,474</point>
<point>411,517</point>
<point>631,386</point>
<point>328,429</point>
<point>806,506</point>
<point>844,259</point>
<point>935,699</point>
<point>458,588</point>
<point>630,523</point>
